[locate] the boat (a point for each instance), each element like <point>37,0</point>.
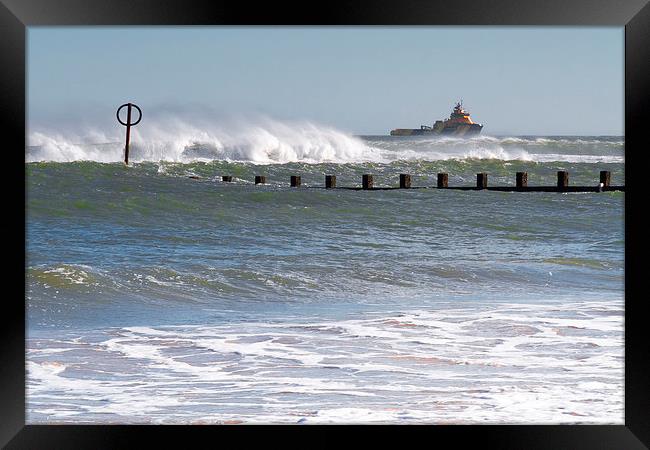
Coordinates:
<point>459,124</point>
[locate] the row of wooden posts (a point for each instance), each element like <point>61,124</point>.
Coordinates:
<point>367,183</point>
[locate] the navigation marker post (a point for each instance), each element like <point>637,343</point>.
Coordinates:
<point>128,126</point>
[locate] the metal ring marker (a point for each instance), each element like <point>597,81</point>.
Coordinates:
<point>128,125</point>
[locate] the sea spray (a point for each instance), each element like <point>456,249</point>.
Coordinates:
<point>173,139</point>
<point>263,140</point>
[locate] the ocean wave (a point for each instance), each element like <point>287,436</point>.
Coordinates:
<point>265,142</point>
<point>269,141</point>
<point>63,276</point>
<point>408,366</point>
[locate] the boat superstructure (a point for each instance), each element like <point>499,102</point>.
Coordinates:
<point>458,124</point>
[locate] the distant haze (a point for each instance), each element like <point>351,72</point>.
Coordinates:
<point>362,80</point>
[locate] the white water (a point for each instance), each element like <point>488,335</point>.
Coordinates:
<point>171,139</point>
<point>559,363</point>
<point>268,141</point>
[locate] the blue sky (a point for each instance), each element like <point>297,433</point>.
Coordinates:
<point>364,80</point>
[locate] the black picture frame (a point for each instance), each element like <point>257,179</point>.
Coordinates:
<point>16,15</point>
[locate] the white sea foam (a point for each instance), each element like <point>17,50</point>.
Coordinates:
<point>498,364</point>
<point>267,141</point>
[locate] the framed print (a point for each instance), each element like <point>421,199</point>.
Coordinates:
<point>271,220</point>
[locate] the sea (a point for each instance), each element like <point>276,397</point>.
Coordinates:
<point>158,294</point>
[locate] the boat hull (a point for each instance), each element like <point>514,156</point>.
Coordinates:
<point>462,130</point>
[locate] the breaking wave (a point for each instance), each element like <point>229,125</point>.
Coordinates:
<point>265,142</point>
<point>268,141</point>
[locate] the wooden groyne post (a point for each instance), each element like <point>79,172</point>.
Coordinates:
<point>605,177</point>
<point>330,181</point>
<point>522,179</point>
<point>481,180</point>
<point>366,181</point>
<point>562,179</point>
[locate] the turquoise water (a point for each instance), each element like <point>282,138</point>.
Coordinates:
<point>154,297</point>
